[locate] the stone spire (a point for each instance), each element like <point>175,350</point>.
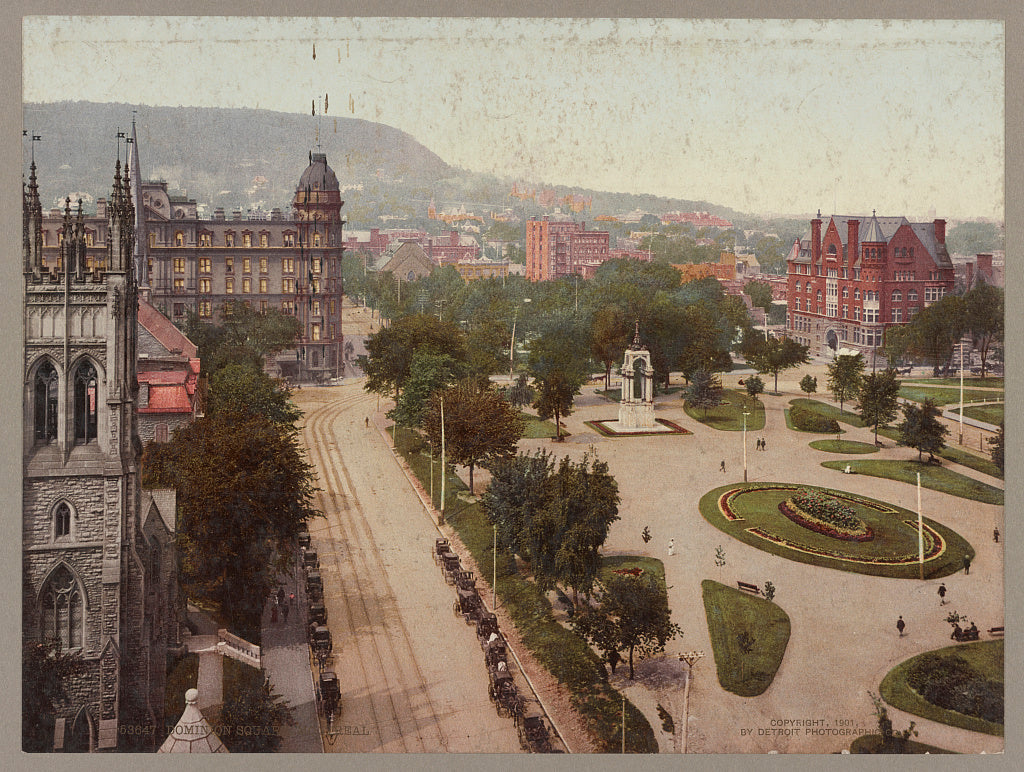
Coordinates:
<point>192,733</point>
<point>636,345</point>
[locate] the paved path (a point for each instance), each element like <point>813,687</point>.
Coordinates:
<point>843,638</point>
<point>412,675</point>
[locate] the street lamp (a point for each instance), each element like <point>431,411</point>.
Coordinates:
<point>512,346</point>
<point>745,414</point>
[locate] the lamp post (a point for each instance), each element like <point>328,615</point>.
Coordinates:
<point>690,658</point>
<point>745,414</point>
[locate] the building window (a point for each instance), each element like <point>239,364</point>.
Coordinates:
<point>316,239</point>
<point>246,265</point>
<point>856,274</point>
<point>798,286</point>
<point>856,314</point>
<point>85,403</point>
<point>897,297</point>
<point>264,306</point>
<point>288,286</point>
<point>315,332</point>
<point>316,286</point>
<point>179,265</point>
<point>229,239</point>
<point>846,292</point>
<point>62,612</point>
<point>288,307</point>
<point>871,315</point>
<point>179,285</point>
<point>316,265</point>
<point>246,239</point>
<point>204,286</point>
<point>160,433</point>
<point>818,298</point>
<point>46,403</point>
<point>229,285</point>
<point>316,308</point>
<point>263,264</point>
<point>288,265</point>
<point>911,296</point>
<point>205,240</point>
<point>246,285</point>
<point>830,309</point>
<point>332,307</point>
<point>62,521</point>
<point>289,239</point>
<point>205,309</point>
<point>179,309</point>
<point>797,304</point>
<point>229,265</point>
<point>263,286</point>
<point>264,239</point>
<point>846,312</point>
<point>179,239</point>
<point>897,315</point>
<point>204,265</point>
<point>856,294</point>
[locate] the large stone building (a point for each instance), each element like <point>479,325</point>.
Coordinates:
<point>290,261</point>
<point>98,567</point>
<point>557,248</point>
<point>860,275</point>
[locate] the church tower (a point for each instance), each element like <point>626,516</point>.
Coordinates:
<point>85,559</point>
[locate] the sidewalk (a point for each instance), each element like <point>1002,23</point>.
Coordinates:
<point>286,662</point>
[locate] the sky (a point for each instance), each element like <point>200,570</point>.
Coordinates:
<point>767,117</point>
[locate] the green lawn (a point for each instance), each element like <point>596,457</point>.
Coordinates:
<point>748,636</point>
<point>565,654</point>
<point>946,396</point>
<point>843,446</point>
<point>990,414</point>
<point>892,552</point>
<point>650,565</point>
<point>538,429</point>
<point>936,478</point>
<point>954,454</point>
<point>830,411</point>
<point>991,382</point>
<point>985,661</point>
<point>729,416</point>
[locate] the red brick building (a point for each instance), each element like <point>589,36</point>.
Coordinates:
<point>562,248</point>
<point>858,276</point>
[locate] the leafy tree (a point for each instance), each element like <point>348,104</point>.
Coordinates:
<point>514,496</point>
<point>428,374</point>
<point>754,386</point>
<point>486,340</point>
<point>252,704</point>
<point>808,384</point>
<point>704,391</point>
<point>390,350</point>
<point>760,294</point>
<point>45,674</point>
<point>879,398</point>
<point>248,390</point>
<point>936,330</point>
<point>845,374</point>
<point>921,429</point>
<point>609,331</point>
<point>480,427</point>
<point>633,615</point>
<point>557,365</point>
<point>520,393</point>
<point>898,346</point>
<point>777,354</point>
<point>984,310</point>
<point>997,443</point>
<point>892,741</point>
<point>706,335</point>
<point>245,490</point>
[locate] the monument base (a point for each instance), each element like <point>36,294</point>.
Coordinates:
<point>636,416</point>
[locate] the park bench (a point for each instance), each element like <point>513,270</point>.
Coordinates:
<point>749,587</point>
<point>995,631</point>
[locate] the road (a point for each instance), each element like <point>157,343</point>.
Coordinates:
<point>412,674</point>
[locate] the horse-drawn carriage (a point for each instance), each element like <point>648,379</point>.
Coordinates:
<point>328,694</point>
<point>467,604</point>
<point>533,735</point>
<point>495,651</point>
<point>320,643</point>
<point>314,586</point>
<point>502,691</point>
<point>440,546</point>
<point>449,565</point>
<point>304,540</point>
<point>486,626</point>
<point>317,613</point>
<point>310,560</point>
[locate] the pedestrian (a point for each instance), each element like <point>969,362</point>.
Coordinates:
<point>291,599</point>
<point>723,466</point>
<point>995,535</point>
<point>967,564</point>
<point>614,659</point>
<point>367,420</point>
<point>901,625</point>
<point>284,610</point>
<point>942,594</point>
<point>671,547</point>
<point>273,615</point>
<point>764,444</point>
<point>280,596</point>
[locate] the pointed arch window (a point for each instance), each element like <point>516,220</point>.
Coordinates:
<point>46,403</point>
<point>86,403</point>
<point>63,610</point>
<point>62,520</point>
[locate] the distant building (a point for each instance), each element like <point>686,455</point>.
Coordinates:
<point>859,276</point>
<point>982,267</point>
<point>556,248</point>
<point>724,270</point>
<point>448,248</point>
<point>409,262</point>
<point>471,270</point>
<point>168,375</point>
<point>697,219</point>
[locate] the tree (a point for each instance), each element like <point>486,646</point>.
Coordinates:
<point>704,391</point>
<point>245,490</point>
<point>936,330</point>
<point>515,494</point>
<point>633,615</point>
<point>845,373</point>
<point>984,313</point>
<point>428,374</point>
<point>921,429</point>
<point>609,332</point>
<point>520,393</point>
<point>754,386</point>
<point>45,673</point>
<point>777,354</point>
<point>253,707</point>
<point>892,741</point>
<point>997,443</point>
<point>480,427</point>
<point>390,350</point>
<point>760,294</point>
<point>557,365</point>
<point>245,336</point>
<point>248,390</point>
<point>879,398</point>
<point>808,384</point>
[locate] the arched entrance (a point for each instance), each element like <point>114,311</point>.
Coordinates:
<point>81,738</point>
<point>832,341</point>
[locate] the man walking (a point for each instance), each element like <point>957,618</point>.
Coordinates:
<point>901,625</point>
<point>723,465</point>
<point>995,535</point>
<point>942,594</point>
<point>967,564</point>
<point>671,547</point>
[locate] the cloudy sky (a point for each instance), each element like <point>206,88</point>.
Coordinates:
<point>772,117</point>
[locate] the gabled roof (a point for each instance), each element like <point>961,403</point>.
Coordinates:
<point>925,231</point>
<point>164,331</point>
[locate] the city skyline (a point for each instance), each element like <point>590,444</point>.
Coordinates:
<point>758,115</point>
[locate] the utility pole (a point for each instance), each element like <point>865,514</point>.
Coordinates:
<point>444,465</point>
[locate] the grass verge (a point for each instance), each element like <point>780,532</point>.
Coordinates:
<point>537,429</point>
<point>843,446</point>
<point>945,396</point>
<point>990,414</point>
<point>565,654</point>
<point>748,636</point>
<point>728,416</point>
<point>829,411</point>
<point>936,478</point>
<point>954,454</point>
<point>992,382</point>
<point>985,659</point>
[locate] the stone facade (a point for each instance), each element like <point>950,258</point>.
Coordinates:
<point>88,564</point>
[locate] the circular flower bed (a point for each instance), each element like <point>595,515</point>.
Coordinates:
<point>823,514</point>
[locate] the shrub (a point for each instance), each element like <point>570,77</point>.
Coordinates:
<point>825,514</point>
<point>949,681</point>
<point>810,421</point>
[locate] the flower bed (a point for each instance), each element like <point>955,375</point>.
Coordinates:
<point>808,521</point>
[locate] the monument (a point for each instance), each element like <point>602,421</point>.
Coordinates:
<point>636,406</point>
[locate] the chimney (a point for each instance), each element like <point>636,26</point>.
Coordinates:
<point>852,239</point>
<point>816,238</point>
<point>940,231</point>
<point>984,264</point>
<point>218,213</point>
<point>101,207</point>
<point>968,275</point>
